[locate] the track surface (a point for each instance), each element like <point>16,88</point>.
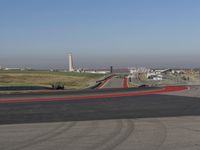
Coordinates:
<point>114,82</point>
<point>63,93</point>
<point>99,109</point>
<point>142,122</point>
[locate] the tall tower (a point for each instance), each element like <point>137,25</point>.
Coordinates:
<point>71,67</point>
<point>111,69</point>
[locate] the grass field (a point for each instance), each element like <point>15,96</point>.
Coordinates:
<point>72,80</point>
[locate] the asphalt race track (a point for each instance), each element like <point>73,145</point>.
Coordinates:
<point>99,109</point>
<point>114,82</point>
<point>148,121</point>
<point>61,93</point>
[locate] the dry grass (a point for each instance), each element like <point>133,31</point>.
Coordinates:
<point>45,79</point>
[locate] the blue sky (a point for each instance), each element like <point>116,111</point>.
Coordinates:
<point>100,33</point>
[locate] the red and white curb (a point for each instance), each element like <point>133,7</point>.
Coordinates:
<point>125,82</point>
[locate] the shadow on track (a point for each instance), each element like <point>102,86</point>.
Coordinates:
<point>22,88</point>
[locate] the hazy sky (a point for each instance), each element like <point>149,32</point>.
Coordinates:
<point>100,33</point>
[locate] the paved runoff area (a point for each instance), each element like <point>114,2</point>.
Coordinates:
<point>168,121</point>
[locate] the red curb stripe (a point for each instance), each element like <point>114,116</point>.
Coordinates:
<point>125,82</point>
<point>111,95</point>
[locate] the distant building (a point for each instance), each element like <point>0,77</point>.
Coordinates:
<point>71,65</point>
<point>138,70</point>
<point>155,77</point>
<point>13,69</point>
<point>97,71</point>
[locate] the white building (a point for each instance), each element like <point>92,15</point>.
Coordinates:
<point>155,77</point>
<point>13,69</point>
<point>97,71</point>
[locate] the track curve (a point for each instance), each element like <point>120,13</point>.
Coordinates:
<point>165,89</point>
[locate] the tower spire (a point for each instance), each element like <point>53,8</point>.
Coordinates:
<point>71,66</point>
